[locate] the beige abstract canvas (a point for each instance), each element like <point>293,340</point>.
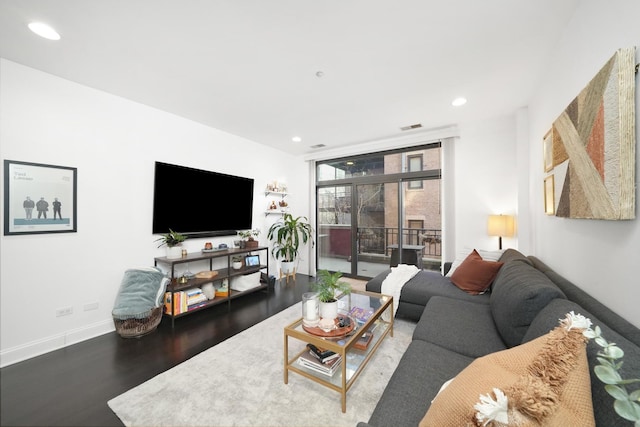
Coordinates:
<point>595,136</point>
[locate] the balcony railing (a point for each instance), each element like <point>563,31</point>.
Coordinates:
<point>377,240</point>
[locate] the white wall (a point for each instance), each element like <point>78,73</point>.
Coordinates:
<point>599,256</point>
<point>113,143</point>
<point>485,181</point>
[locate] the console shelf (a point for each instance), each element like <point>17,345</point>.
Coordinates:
<point>226,272</point>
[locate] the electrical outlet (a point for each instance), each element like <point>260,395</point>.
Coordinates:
<point>66,311</point>
<point>91,306</point>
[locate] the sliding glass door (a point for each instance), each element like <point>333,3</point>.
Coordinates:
<point>378,210</point>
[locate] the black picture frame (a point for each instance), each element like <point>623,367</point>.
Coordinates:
<point>39,198</point>
<point>252,260</point>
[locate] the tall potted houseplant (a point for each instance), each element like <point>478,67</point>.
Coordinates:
<point>287,235</point>
<point>172,240</point>
<point>327,286</point>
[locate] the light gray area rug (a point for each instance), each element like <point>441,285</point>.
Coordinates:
<point>240,382</point>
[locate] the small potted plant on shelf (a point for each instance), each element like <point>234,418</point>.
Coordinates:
<point>251,238</point>
<point>236,262</point>
<point>287,234</point>
<point>327,285</point>
<point>172,240</point>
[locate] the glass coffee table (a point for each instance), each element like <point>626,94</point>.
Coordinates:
<point>370,312</point>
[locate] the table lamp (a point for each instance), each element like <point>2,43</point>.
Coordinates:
<point>501,226</point>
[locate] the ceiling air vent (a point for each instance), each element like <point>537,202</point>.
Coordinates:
<point>318,146</point>
<point>411,127</point>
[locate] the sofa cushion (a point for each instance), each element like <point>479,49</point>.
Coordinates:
<point>424,285</point>
<point>462,254</point>
<point>475,275</point>
<point>461,326</point>
<point>546,381</point>
<point>547,319</point>
<point>512,254</point>
<point>518,294</point>
<point>574,293</point>
<point>415,382</point>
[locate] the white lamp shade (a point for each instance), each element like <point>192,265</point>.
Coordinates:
<point>501,225</point>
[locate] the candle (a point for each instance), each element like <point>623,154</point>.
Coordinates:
<point>311,311</point>
<point>310,306</point>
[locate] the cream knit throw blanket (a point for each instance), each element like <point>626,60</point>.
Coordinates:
<point>393,283</point>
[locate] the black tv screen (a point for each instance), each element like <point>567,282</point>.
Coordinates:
<point>200,203</point>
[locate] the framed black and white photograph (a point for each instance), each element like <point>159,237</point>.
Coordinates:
<point>39,198</point>
<point>252,260</point>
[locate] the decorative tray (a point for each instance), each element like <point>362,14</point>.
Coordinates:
<point>338,332</point>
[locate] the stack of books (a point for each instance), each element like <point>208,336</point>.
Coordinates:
<point>184,301</point>
<point>327,365</point>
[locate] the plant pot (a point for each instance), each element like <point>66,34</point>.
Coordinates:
<point>329,310</point>
<point>237,265</point>
<point>287,267</point>
<point>174,252</point>
<point>251,244</point>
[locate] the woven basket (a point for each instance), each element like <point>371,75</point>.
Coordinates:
<point>137,326</point>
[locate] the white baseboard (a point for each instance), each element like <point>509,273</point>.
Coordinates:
<point>45,345</point>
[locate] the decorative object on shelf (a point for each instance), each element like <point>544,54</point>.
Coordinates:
<point>287,234</point>
<point>273,206</point>
<point>209,291</point>
<point>310,305</point>
<point>206,274</point>
<point>327,285</point>
<point>250,236</point>
<point>223,290</point>
<point>252,260</point>
<point>236,262</point>
<point>172,240</point>
<point>276,187</point>
<point>208,245</point>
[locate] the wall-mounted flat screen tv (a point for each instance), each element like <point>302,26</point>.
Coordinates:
<point>200,203</point>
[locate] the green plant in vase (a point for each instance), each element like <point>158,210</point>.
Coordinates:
<point>172,240</point>
<point>327,286</point>
<point>287,235</point>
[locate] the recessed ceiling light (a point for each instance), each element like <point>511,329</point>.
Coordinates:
<point>459,102</point>
<point>296,139</point>
<point>43,30</point>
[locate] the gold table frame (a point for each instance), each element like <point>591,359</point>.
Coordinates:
<point>342,380</point>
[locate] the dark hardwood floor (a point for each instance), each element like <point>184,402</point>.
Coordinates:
<point>71,386</point>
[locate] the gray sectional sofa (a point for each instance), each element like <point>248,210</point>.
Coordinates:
<point>525,301</point>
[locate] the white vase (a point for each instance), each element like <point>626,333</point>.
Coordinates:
<point>174,252</point>
<point>329,310</point>
<point>237,265</point>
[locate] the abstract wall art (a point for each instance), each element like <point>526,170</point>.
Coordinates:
<point>591,146</point>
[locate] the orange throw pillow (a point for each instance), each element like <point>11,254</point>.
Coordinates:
<point>475,275</point>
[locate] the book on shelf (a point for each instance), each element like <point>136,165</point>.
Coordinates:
<point>308,360</point>
<point>322,354</point>
<point>361,314</point>
<point>363,341</point>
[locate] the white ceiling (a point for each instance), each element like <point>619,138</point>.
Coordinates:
<point>248,67</point>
